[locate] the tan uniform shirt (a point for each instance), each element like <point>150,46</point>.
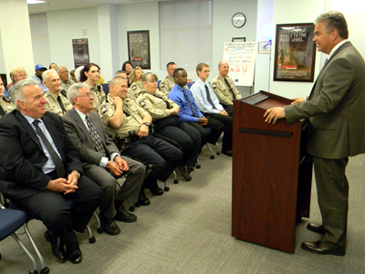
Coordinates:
<point>132,117</point>
<point>6,104</point>
<point>67,84</point>
<point>135,89</point>
<point>222,90</point>
<point>98,94</point>
<point>167,84</point>
<point>53,105</point>
<point>155,104</point>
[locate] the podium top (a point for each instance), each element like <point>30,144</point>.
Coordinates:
<point>266,100</point>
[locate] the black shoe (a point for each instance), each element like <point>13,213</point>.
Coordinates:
<point>73,252</point>
<point>319,248</point>
<point>108,225</point>
<point>227,152</point>
<point>57,246</point>
<point>185,172</point>
<point>316,228</point>
<point>124,216</point>
<point>143,200</point>
<point>156,191</point>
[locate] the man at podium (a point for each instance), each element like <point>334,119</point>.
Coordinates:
<point>336,111</point>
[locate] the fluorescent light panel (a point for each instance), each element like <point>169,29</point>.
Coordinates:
<point>32,2</point>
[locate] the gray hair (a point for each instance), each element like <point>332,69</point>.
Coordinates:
<point>17,92</point>
<point>115,80</point>
<point>45,74</point>
<point>334,20</point>
<point>74,91</point>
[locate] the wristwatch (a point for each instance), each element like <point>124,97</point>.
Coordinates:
<point>146,123</point>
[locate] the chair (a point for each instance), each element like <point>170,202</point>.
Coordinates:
<point>105,88</point>
<point>11,221</point>
<point>209,130</point>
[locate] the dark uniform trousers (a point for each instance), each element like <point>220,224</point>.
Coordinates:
<point>186,136</point>
<point>163,156</point>
<point>333,193</point>
<point>229,109</point>
<point>219,121</point>
<point>55,213</point>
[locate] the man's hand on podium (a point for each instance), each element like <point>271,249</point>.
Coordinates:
<point>273,114</point>
<point>298,100</point>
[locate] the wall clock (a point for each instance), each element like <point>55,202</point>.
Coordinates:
<point>238,20</point>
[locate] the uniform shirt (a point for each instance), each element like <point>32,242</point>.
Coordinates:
<point>200,97</point>
<point>135,89</point>
<point>185,114</point>
<point>40,83</point>
<point>222,90</point>
<point>6,104</point>
<point>167,84</point>
<point>98,94</point>
<point>67,84</point>
<point>155,104</point>
<point>53,105</point>
<point>132,117</point>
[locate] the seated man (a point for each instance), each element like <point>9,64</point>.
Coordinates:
<point>224,88</point>
<point>6,105</point>
<point>57,102</point>
<point>126,120</point>
<point>208,103</point>
<point>167,124</point>
<point>168,83</point>
<point>40,170</point>
<point>101,160</point>
<point>39,69</point>
<point>65,79</point>
<point>190,113</point>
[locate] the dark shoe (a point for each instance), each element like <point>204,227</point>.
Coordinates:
<point>125,216</point>
<point>316,228</point>
<point>108,225</point>
<point>227,152</point>
<point>156,191</point>
<point>319,248</point>
<point>74,253</point>
<point>57,246</point>
<point>143,200</point>
<point>185,172</point>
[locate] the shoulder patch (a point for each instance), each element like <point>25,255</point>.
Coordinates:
<point>134,87</point>
<point>103,109</point>
<point>143,103</point>
<point>214,85</point>
<point>162,85</point>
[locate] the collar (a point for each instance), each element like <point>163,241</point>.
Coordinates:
<point>336,48</point>
<point>82,115</point>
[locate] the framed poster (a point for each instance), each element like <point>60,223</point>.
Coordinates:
<point>139,48</point>
<point>81,52</point>
<point>294,53</point>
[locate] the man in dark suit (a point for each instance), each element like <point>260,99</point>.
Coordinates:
<point>40,170</point>
<point>336,111</point>
<point>101,160</point>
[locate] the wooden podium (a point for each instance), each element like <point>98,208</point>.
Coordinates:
<point>271,174</point>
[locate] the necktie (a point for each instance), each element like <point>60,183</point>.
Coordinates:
<point>95,137</point>
<point>61,104</point>
<point>60,169</point>
<point>230,89</point>
<point>189,102</point>
<point>2,112</point>
<point>209,98</point>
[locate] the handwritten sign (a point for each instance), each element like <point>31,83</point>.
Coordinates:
<point>241,59</point>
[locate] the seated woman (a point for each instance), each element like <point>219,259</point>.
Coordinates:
<point>89,75</point>
<point>6,105</point>
<point>135,79</point>
<point>168,125</point>
<point>127,67</point>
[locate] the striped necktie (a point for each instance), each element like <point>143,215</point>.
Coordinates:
<point>95,137</point>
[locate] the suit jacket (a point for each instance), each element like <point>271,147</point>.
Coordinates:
<point>82,140</point>
<point>336,107</point>
<point>22,156</point>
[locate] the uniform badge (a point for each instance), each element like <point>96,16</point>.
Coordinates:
<point>162,85</point>
<point>214,85</point>
<point>104,109</point>
<point>143,103</point>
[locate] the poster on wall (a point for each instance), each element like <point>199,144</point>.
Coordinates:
<point>294,53</point>
<point>81,51</point>
<point>139,48</point>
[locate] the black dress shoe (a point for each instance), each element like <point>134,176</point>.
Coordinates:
<point>316,228</point>
<point>57,246</point>
<point>143,200</point>
<point>319,248</point>
<point>108,225</point>
<point>185,172</point>
<point>74,253</point>
<point>156,191</point>
<point>227,152</point>
<point>124,216</point>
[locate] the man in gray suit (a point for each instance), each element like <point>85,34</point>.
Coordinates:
<point>336,111</point>
<point>101,160</point>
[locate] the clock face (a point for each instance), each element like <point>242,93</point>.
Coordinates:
<point>239,20</point>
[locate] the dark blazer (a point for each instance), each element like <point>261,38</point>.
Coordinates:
<point>22,156</point>
<point>336,107</point>
<point>81,138</point>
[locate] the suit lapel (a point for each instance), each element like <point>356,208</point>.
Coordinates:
<point>81,125</point>
<point>52,129</point>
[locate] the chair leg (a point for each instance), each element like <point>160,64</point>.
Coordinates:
<point>176,180</point>
<point>16,238</point>
<point>197,165</point>
<point>218,150</point>
<point>211,151</point>
<point>165,187</point>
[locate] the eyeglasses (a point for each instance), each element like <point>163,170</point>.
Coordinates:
<point>65,71</point>
<point>86,95</point>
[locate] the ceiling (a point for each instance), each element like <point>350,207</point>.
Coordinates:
<point>53,5</point>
